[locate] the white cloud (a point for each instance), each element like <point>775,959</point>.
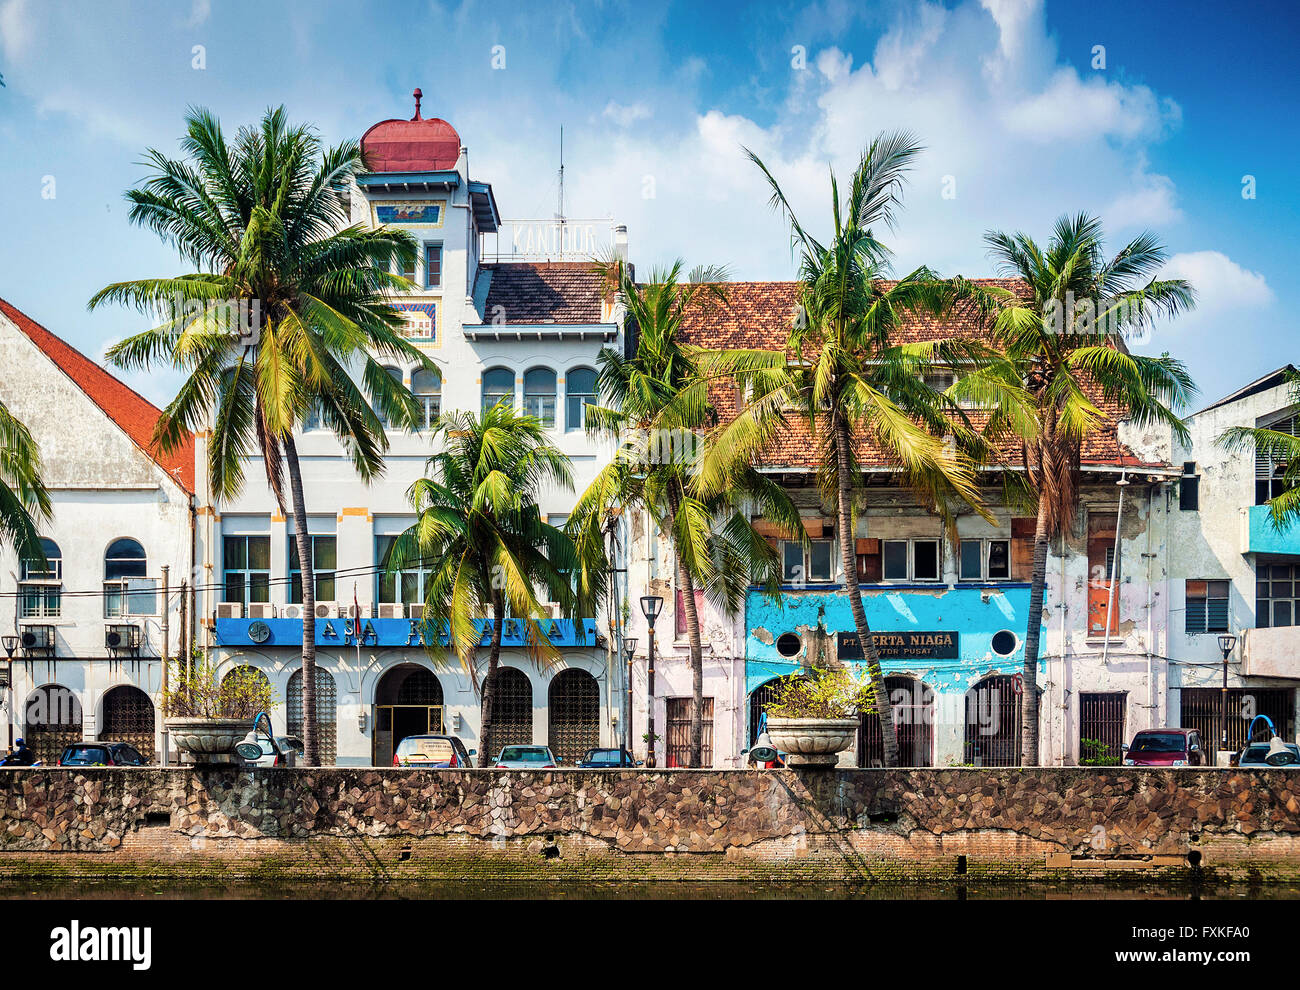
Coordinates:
<point>1070,108</point>
<point>1152,202</point>
<point>1220,283</point>
<point>199,13</point>
<point>15,29</point>
<point>624,116</point>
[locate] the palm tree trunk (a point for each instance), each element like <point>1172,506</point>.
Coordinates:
<point>311,753</point>
<point>1033,634</point>
<point>687,586</point>
<point>848,554</point>
<point>490,684</point>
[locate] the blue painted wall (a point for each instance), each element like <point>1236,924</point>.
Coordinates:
<point>1265,539</point>
<point>895,608</point>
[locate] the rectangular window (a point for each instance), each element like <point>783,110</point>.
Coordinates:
<point>985,560</point>
<point>324,563</point>
<point>999,560</point>
<point>1271,467</point>
<point>895,563</point>
<point>1277,595</point>
<point>679,611</point>
<point>816,564</point>
<point>40,601</point>
<point>678,732</point>
<point>407,271</point>
<point>247,568</point>
<point>432,266</point>
<point>1207,607</point>
<point>406,585</point>
<point>925,560</point>
<point>972,560</point>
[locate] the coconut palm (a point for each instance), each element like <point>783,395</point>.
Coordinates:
<point>1063,341</point>
<point>24,501</point>
<point>844,373</point>
<point>1278,445</point>
<point>485,542</point>
<point>262,222</point>
<point>656,404</point>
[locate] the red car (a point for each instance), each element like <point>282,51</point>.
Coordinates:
<point>1165,748</point>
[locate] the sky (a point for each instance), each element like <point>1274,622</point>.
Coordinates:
<point>1179,118</point>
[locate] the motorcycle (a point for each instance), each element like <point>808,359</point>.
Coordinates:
<point>14,760</point>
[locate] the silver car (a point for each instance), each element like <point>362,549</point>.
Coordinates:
<point>525,758</point>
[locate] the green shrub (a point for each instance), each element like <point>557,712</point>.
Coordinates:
<point>196,691</point>
<point>825,692</point>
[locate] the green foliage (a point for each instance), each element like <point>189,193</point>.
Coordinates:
<point>24,502</point>
<point>1095,753</point>
<point>195,690</point>
<point>826,692</point>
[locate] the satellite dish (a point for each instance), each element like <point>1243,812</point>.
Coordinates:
<point>259,632</point>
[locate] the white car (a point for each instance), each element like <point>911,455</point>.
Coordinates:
<point>286,751</point>
<point>525,758</point>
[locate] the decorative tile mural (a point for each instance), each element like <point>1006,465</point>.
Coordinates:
<point>421,320</point>
<point>427,213</point>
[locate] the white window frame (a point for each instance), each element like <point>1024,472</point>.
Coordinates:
<point>985,549</point>
<point>911,560</point>
<point>806,553</point>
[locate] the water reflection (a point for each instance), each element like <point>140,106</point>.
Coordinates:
<point>91,889</point>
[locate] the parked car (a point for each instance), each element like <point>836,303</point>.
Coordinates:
<point>1165,748</point>
<point>1254,756</point>
<point>101,754</point>
<point>525,758</point>
<point>607,759</point>
<point>435,752</point>
<point>285,752</point>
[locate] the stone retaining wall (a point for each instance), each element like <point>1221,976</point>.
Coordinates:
<point>365,823</point>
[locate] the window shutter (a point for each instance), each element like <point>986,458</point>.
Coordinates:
<point>1022,549</point>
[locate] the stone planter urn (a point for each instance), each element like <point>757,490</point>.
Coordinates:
<point>208,740</point>
<point>812,742</point>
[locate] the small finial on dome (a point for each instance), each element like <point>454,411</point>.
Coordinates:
<point>418,96</point>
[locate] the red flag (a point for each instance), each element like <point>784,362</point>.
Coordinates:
<point>356,614</point>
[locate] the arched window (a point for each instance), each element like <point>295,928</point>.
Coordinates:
<point>426,385</point>
<point>580,391</point>
<point>129,718</point>
<point>326,713</point>
<point>126,590</point>
<point>539,395</point>
<point>573,703</point>
<point>396,375</point>
<point>498,385</point>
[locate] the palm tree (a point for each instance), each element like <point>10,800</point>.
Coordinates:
<point>262,222</point>
<point>1278,445</point>
<point>657,404</point>
<point>487,546</point>
<point>1063,344</point>
<point>24,501</point>
<point>844,373</point>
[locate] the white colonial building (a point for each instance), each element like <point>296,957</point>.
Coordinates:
<point>89,620</point>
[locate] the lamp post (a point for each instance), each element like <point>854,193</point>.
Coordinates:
<point>1226,643</point>
<point>629,651</point>
<point>10,644</point>
<point>651,606</point>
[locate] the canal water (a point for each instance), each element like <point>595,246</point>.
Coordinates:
<point>119,890</point>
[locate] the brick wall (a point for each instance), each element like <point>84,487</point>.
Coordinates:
<point>573,823</point>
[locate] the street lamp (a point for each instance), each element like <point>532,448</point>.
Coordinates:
<point>1226,643</point>
<point>629,651</point>
<point>10,644</point>
<point>651,606</point>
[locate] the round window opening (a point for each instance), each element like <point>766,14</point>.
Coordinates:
<point>788,644</point>
<point>1004,643</point>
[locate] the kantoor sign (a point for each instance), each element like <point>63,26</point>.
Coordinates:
<point>908,645</point>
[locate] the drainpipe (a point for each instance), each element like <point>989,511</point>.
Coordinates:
<point>1114,563</point>
<point>1063,607</point>
<point>1151,660</point>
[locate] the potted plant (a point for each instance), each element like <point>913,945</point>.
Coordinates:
<point>814,718</point>
<point>208,716</point>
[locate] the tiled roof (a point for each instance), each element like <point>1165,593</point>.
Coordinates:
<point>565,292</point>
<point>759,315</point>
<point>132,412</point>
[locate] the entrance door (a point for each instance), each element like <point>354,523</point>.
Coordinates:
<point>393,723</point>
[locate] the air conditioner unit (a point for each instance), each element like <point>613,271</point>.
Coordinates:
<point>37,640</point>
<point>415,610</point>
<point>261,610</point>
<point>389,610</point>
<point>122,639</point>
<point>291,612</point>
<point>327,610</point>
<point>230,610</point>
<point>352,611</point>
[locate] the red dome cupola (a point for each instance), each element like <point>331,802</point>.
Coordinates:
<point>415,145</point>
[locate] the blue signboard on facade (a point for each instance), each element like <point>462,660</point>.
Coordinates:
<point>395,632</point>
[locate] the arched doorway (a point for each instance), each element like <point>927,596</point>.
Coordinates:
<point>573,703</point>
<point>408,702</point>
<point>129,718</point>
<point>992,736</point>
<point>237,682</point>
<point>761,696</point>
<point>326,713</point>
<point>512,722</point>
<point>51,720</point>
<point>913,704</point>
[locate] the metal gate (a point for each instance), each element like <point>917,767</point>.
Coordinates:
<point>1201,711</point>
<point>913,704</point>
<point>760,697</point>
<point>992,733</point>
<point>1101,728</point>
<point>326,713</point>
<point>512,715</point>
<point>129,718</point>
<point>51,721</point>
<point>679,733</point>
<point>573,702</point>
